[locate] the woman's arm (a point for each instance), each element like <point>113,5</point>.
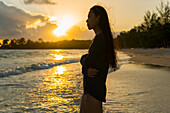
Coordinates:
<point>91,72</point>
<point>83,58</point>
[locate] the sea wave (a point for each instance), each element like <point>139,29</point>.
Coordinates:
<point>33,67</point>
<point>20,69</point>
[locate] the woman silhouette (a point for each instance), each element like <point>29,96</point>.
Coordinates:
<point>95,64</point>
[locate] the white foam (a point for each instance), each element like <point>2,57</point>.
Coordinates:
<point>123,59</point>
<point>23,69</point>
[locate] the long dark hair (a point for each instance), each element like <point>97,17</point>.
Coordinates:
<point>105,27</point>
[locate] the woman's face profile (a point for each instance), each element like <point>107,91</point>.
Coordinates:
<point>92,20</point>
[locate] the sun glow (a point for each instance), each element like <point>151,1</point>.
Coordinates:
<point>63,24</point>
<point>35,24</point>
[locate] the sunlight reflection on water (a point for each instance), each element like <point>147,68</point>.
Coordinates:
<point>58,90</point>
<point>54,90</point>
<point>57,54</point>
<point>133,88</point>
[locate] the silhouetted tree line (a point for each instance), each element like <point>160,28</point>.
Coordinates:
<point>40,44</point>
<point>153,32</point>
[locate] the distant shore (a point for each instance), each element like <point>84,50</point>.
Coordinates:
<point>149,56</point>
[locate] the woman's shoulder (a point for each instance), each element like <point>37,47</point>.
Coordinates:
<point>100,37</point>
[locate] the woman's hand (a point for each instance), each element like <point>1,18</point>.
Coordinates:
<point>91,72</point>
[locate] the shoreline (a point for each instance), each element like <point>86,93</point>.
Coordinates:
<point>138,88</point>
<point>159,57</point>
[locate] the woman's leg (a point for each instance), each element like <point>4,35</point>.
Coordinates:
<point>93,105</point>
<point>82,105</point>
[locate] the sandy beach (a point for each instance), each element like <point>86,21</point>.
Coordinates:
<point>140,88</point>
<point>149,56</point>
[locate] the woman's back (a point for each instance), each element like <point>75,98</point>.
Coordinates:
<point>97,56</point>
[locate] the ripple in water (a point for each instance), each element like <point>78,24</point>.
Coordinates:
<point>54,90</point>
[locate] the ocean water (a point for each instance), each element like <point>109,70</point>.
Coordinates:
<point>42,80</point>
<point>14,62</point>
<point>51,81</point>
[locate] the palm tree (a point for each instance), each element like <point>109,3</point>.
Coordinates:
<point>150,20</point>
<point>164,12</point>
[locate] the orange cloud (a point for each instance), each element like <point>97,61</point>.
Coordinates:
<point>48,2</point>
<point>17,23</point>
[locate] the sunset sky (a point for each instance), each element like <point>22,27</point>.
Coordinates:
<point>55,20</point>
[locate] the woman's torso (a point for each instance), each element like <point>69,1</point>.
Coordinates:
<point>99,60</point>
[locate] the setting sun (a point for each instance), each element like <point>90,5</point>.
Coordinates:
<point>64,24</point>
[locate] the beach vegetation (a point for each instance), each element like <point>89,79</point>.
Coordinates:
<point>153,32</point>
<point>22,43</point>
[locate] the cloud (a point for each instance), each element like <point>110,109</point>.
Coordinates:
<point>16,23</point>
<point>49,2</point>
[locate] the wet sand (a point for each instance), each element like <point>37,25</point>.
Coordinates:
<point>142,85</point>
<point>138,88</point>
<point>149,56</point>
